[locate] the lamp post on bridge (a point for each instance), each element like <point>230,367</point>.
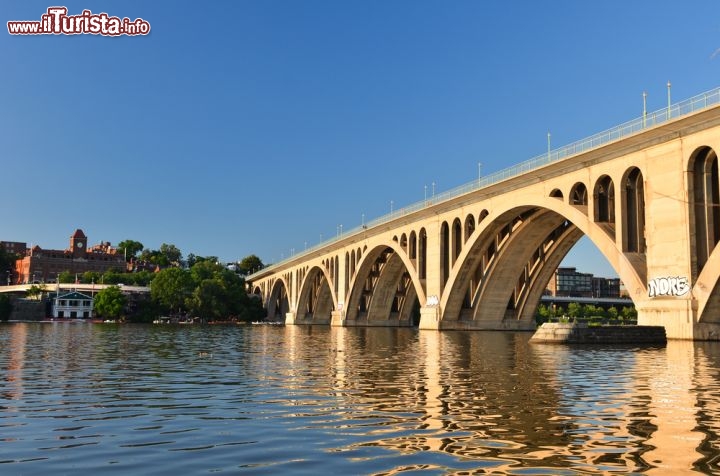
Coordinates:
<point>548,137</point>
<point>669,102</point>
<point>644,109</point>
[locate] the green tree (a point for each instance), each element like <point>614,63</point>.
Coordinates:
<point>203,270</point>
<point>192,259</point>
<point>110,302</point>
<point>6,307</point>
<point>112,277</point>
<point>170,287</point>
<point>209,300</point>
<point>155,257</point>
<point>612,312</point>
<point>629,313</point>
<point>66,277</point>
<point>144,310</point>
<point>171,253</point>
<point>250,264</point>
<point>542,314</point>
<point>130,248</point>
<point>35,291</point>
<point>251,308</point>
<point>89,277</point>
<point>219,293</point>
<point>166,256</point>
<point>574,310</point>
<point>141,278</point>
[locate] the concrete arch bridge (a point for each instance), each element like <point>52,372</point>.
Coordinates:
<point>647,193</point>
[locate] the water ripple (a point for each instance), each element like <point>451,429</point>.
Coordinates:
<point>267,399</point>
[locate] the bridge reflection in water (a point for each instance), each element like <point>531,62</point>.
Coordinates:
<point>493,397</point>
<point>320,399</point>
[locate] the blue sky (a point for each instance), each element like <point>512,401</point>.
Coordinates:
<point>255,127</point>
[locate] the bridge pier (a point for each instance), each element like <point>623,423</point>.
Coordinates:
<point>337,319</point>
<point>679,317</point>
<point>430,318</point>
<point>290,318</point>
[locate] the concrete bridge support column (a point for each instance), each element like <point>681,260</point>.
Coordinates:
<point>290,318</point>
<point>679,317</point>
<point>430,317</point>
<point>337,319</point>
<point>676,315</point>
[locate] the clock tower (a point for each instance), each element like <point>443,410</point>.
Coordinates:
<point>78,244</point>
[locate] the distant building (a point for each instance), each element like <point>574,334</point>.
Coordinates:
<point>606,287</point>
<point>14,247</point>
<point>73,305</point>
<point>42,266</point>
<point>568,282</point>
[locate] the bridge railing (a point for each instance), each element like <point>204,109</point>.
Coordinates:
<point>648,120</point>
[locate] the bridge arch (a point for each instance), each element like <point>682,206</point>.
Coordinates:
<point>704,223</point>
<point>385,288</point>
<point>633,206</point>
<point>278,304</point>
<point>579,195</point>
<point>469,227</point>
<point>703,190</point>
<point>604,200</point>
<point>317,299</point>
<point>507,263</point>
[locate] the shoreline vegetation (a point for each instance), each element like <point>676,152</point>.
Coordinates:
<point>179,288</point>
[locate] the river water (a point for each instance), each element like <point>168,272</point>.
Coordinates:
<point>141,399</point>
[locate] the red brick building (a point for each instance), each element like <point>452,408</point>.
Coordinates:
<point>44,266</point>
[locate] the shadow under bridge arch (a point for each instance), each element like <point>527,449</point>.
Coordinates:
<point>500,277</point>
<point>384,291</point>
<point>278,304</point>
<point>317,300</point>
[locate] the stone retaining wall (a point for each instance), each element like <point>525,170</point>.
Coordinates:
<point>580,333</point>
<point>28,310</point>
